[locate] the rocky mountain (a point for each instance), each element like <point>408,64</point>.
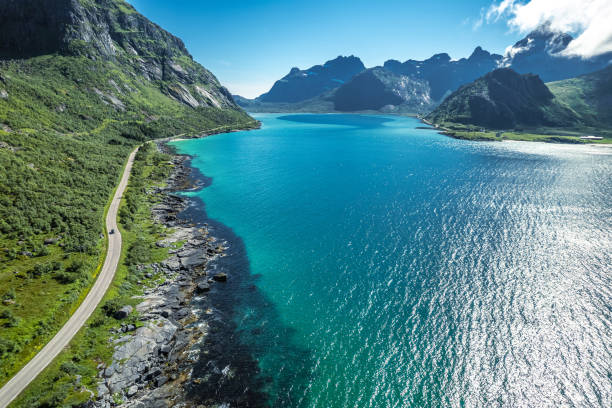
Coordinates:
<point>114,34</point>
<point>381,89</point>
<point>504,99</point>
<point>540,52</point>
<point>412,86</point>
<point>300,85</point>
<point>445,75</point>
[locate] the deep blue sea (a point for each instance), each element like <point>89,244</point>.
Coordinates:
<point>373,264</point>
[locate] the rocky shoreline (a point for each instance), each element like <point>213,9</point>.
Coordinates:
<point>153,364</point>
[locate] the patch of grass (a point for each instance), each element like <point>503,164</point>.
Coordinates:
<point>58,384</point>
<point>546,135</point>
<point>64,139</point>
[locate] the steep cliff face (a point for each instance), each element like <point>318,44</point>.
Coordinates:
<point>445,75</point>
<point>380,89</point>
<point>108,30</point>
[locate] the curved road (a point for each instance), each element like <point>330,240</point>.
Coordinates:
<point>44,357</point>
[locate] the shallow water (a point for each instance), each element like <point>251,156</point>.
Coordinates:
<point>379,265</point>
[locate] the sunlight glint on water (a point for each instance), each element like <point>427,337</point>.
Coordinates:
<point>413,269</point>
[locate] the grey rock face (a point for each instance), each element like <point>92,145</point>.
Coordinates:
<point>131,357</point>
<point>152,364</point>
<point>203,287</point>
<point>133,390</point>
<point>108,30</point>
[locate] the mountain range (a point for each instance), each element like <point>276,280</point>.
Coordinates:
<point>299,85</point>
<point>416,86</point>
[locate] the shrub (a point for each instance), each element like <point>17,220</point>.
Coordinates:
<point>10,295</point>
<point>7,347</point>
<point>69,368</point>
<point>73,272</point>
<point>97,321</point>
<point>40,270</point>
<point>11,321</point>
<point>111,307</point>
<point>138,253</point>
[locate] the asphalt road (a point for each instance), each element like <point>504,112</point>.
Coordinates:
<point>45,356</point>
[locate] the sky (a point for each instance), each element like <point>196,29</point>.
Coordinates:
<point>249,44</point>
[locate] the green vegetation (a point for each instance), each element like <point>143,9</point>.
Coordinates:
<point>588,96</point>
<point>504,99</point>
<point>521,107</point>
<point>547,135</point>
<point>68,120</point>
<point>61,154</point>
<point>59,384</point>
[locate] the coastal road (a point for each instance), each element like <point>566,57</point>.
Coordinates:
<point>45,356</point>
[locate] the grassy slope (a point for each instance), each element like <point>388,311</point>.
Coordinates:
<point>59,385</point>
<point>589,97</point>
<point>62,148</point>
<point>552,137</point>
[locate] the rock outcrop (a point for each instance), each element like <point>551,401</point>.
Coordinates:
<point>110,30</point>
<point>152,363</point>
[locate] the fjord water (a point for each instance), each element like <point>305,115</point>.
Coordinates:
<point>394,267</point>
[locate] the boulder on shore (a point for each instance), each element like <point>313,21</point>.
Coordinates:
<point>124,312</point>
<point>220,277</point>
<point>203,287</point>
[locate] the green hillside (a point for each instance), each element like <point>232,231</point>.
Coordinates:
<point>523,105</point>
<point>588,96</point>
<point>503,99</point>
<point>81,84</point>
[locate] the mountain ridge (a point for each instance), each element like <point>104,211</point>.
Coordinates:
<point>110,30</point>
<point>299,85</point>
<point>539,52</point>
<point>505,99</point>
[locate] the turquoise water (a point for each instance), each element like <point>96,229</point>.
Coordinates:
<point>395,267</point>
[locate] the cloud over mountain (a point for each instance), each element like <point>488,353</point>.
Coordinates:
<point>589,19</point>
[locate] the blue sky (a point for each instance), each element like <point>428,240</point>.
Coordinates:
<point>250,44</point>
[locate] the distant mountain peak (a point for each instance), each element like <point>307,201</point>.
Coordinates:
<point>541,51</point>
<point>341,59</point>
<point>300,85</point>
<point>479,54</point>
<point>441,57</point>
<point>542,39</point>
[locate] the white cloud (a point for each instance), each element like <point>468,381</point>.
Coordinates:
<point>591,20</point>
<point>480,21</point>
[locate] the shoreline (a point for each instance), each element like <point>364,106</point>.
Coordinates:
<point>550,139</point>
<point>153,365</point>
